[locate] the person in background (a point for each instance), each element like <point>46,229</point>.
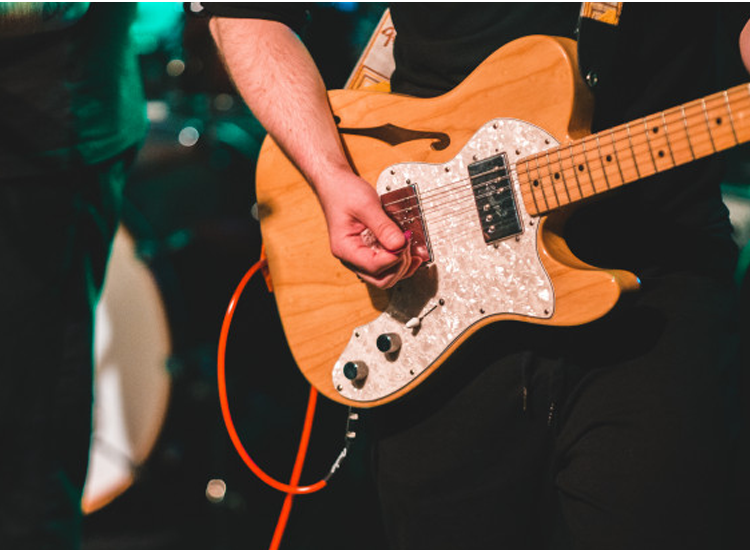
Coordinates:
<point>626,437</point>
<point>72,115</point>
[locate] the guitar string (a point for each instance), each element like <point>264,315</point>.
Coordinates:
<point>733,110</point>
<point>572,166</point>
<point>461,204</point>
<point>564,167</point>
<point>448,190</point>
<point>429,201</point>
<point>647,142</point>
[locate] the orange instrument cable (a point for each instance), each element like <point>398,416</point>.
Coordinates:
<point>292,488</point>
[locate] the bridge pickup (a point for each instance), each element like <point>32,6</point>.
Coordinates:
<point>404,208</point>
<point>495,200</point>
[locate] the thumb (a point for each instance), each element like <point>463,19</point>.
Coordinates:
<point>388,234</point>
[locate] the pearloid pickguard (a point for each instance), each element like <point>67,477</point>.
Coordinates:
<point>468,279</point>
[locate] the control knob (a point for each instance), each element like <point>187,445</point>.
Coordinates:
<point>356,371</point>
<point>388,342</point>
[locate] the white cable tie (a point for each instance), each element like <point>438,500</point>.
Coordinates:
<point>337,462</point>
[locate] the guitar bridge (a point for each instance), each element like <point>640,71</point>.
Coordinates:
<point>496,203</point>
<point>404,208</point>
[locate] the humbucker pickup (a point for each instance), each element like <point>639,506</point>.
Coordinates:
<point>493,192</point>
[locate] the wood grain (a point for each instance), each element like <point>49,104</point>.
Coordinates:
<point>534,79</point>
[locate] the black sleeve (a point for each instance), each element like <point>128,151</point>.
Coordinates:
<point>295,15</point>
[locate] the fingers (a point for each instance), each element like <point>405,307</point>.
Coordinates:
<point>363,254</point>
<point>390,236</point>
<point>364,237</point>
<point>405,266</point>
<point>386,279</point>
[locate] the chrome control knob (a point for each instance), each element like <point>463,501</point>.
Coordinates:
<point>388,342</point>
<point>356,371</point>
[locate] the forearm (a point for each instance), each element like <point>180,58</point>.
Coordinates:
<point>279,81</point>
<point>745,46</point>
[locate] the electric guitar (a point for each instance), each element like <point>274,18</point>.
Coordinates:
<point>482,176</point>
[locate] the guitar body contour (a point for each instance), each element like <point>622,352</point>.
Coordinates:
<point>523,99</point>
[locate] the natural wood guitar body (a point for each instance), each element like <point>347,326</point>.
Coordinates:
<point>324,307</point>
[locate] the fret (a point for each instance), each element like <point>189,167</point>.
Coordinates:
<point>717,120</point>
<point>536,192</point>
<point>593,162</point>
<point>668,138</point>
<point>581,168</point>
<point>633,151</point>
<point>641,149</point>
<point>658,143</point>
<point>548,187</point>
<point>697,129</point>
<point>708,124</point>
<point>596,168</point>
<point>582,177</point>
<point>648,145</point>
<point>675,126</point>
<point>567,168</point>
<point>739,100</point>
<point>558,179</point>
<point>608,160</point>
<point>725,97</point>
<point>625,159</point>
<point>687,131</point>
<point>616,155</point>
<point>572,160</point>
<point>594,159</point>
<point>538,182</point>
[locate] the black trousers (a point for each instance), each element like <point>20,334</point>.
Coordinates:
<point>616,435</point>
<point>55,237</point>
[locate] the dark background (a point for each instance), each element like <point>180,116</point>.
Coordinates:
<point>188,206</point>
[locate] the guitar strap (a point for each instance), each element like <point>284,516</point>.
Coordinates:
<point>596,32</point>
<point>375,66</point>
<point>597,35</point>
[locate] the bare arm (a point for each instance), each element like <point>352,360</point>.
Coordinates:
<point>279,81</point>
<point>745,46</point>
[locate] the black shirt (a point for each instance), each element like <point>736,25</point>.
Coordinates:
<point>70,97</point>
<point>665,54</point>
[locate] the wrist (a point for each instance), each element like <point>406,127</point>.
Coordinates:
<point>333,178</point>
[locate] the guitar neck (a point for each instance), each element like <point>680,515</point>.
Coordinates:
<point>606,160</point>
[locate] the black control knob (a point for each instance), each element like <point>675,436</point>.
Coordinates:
<point>389,342</point>
<point>356,371</point>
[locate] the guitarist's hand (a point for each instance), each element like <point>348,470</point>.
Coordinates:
<point>280,82</point>
<point>363,237</point>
